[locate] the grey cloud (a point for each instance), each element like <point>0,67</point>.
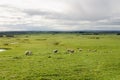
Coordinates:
<point>33,12</point>
<point>90,9</point>
<point>27,27</point>
<point>94,11</point>
<point>80,10</point>
<point>46,14</point>
<point>109,21</point>
<point>108,27</point>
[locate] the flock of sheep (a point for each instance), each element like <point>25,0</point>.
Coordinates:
<point>57,51</point>
<point>73,51</point>
<point>68,50</point>
<point>54,51</point>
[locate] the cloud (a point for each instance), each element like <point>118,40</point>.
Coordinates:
<point>60,15</point>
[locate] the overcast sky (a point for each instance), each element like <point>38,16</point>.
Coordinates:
<point>60,15</point>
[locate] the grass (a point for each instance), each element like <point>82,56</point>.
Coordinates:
<point>103,64</point>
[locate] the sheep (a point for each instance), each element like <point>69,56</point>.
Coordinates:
<point>80,49</point>
<point>55,51</point>
<point>90,50</point>
<point>95,50</point>
<point>28,53</point>
<point>70,51</point>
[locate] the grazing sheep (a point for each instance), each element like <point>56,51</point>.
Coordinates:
<point>70,51</point>
<point>28,53</point>
<point>89,50</point>
<point>55,51</point>
<point>95,50</point>
<point>80,49</point>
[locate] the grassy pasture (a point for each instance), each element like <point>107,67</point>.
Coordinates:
<point>102,64</point>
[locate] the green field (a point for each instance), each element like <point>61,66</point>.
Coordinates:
<point>98,60</point>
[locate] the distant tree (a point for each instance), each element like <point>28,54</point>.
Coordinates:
<point>10,36</point>
<point>96,33</point>
<point>1,35</point>
<point>118,33</point>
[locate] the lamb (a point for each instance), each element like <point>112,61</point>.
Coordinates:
<point>70,51</point>
<point>80,49</point>
<point>28,53</point>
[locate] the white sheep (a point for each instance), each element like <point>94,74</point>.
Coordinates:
<point>70,51</point>
<point>28,53</point>
<point>80,49</point>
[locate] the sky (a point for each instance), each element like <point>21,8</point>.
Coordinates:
<point>59,15</point>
